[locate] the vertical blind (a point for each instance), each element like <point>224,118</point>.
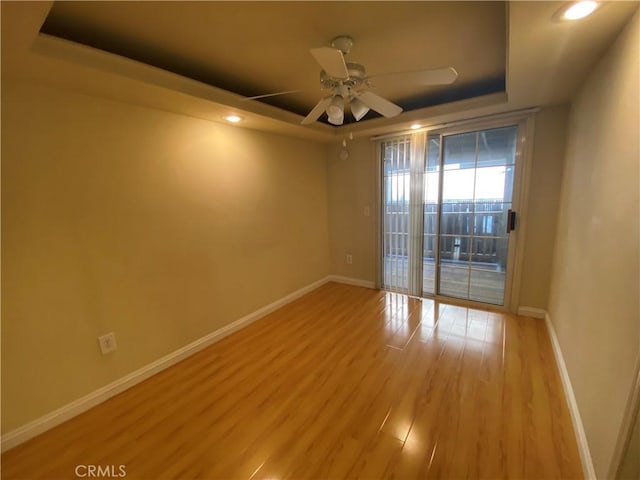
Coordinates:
<point>403,185</point>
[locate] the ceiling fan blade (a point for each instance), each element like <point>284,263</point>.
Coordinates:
<point>438,76</point>
<point>257,97</point>
<point>331,60</point>
<point>382,106</point>
<point>432,76</point>
<point>318,110</point>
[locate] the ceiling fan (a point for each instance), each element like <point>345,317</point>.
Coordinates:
<point>348,84</point>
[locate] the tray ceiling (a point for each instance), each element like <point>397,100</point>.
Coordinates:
<point>254,48</point>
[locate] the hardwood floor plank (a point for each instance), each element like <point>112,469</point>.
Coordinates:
<point>378,459</point>
<point>345,382</point>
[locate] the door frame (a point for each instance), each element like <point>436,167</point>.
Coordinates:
<point>524,150</point>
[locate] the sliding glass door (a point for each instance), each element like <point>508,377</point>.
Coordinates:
<point>449,214</point>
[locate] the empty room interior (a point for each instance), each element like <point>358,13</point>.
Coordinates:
<point>320,240</point>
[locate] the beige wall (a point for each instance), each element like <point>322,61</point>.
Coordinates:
<point>352,184</point>
<point>545,176</point>
<point>595,287</point>
<point>158,227</point>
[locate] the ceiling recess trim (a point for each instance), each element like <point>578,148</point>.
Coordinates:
<point>89,57</point>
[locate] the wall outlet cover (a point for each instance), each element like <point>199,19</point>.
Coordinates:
<point>107,342</point>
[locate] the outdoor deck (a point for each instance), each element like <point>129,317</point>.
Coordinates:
<point>483,282</point>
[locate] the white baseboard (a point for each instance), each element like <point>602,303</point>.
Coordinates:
<point>62,414</point>
<point>351,281</point>
<point>578,427</point>
<point>532,312</point>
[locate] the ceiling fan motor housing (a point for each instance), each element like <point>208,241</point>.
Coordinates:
<point>357,77</point>
<point>342,43</point>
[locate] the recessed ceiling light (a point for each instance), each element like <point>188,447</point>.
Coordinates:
<point>233,118</point>
<point>415,126</point>
<point>580,10</point>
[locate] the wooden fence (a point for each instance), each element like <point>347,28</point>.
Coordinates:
<point>468,230</point>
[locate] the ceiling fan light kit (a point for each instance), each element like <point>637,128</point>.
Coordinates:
<point>335,110</point>
<point>337,119</point>
<point>336,106</point>
<point>358,109</point>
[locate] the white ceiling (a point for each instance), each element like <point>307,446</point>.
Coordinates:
<point>543,61</point>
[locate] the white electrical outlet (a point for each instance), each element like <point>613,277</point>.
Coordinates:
<point>349,258</point>
<point>107,342</point>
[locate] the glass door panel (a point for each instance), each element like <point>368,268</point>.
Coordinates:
<point>477,191</point>
<point>430,210</point>
<point>454,273</point>
<point>497,146</point>
<point>486,286</point>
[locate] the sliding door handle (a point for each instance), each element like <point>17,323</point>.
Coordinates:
<point>511,221</point>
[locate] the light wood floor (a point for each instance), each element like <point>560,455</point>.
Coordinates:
<point>345,382</point>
